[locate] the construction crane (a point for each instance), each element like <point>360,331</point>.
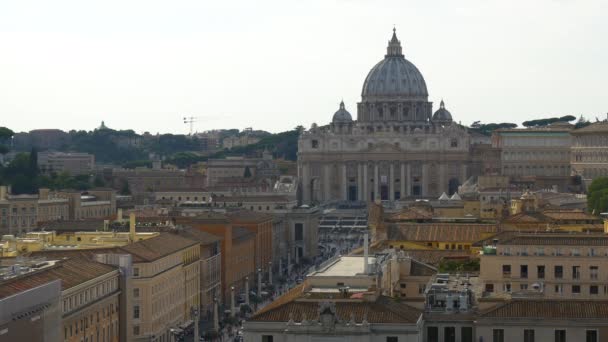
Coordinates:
<point>191,120</point>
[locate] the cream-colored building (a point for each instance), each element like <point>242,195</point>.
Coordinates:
<point>89,301</point>
<point>544,320</point>
<point>72,163</point>
<point>94,203</point>
<point>534,151</point>
<point>162,288</point>
<point>590,151</point>
<point>551,265</point>
<point>21,213</point>
<point>396,148</point>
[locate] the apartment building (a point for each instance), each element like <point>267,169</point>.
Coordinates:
<point>554,265</point>
<point>89,301</point>
<point>72,163</point>
<point>238,247</point>
<point>94,203</point>
<point>21,213</point>
<point>162,288</point>
<point>210,269</point>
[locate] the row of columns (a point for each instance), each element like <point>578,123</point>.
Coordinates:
<point>403,169</point>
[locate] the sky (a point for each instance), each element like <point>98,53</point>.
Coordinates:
<point>274,65</point>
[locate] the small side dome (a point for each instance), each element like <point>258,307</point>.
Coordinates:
<point>444,197</point>
<point>342,115</point>
<point>442,115</point>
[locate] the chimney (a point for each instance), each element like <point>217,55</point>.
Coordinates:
<point>132,227</point>
<point>3,192</point>
<point>365,254</point>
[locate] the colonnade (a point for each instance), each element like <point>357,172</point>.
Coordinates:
<point>367,181</point>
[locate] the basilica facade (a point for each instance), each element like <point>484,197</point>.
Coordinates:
<point>396,148</point>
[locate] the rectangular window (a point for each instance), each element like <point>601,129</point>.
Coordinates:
<point>591,336</point>
<point>506,270</point>
<point>489,288</point>
<point>523,271</point>
<point>498,335</point>
<point>392,339</point>
<point>528,335</point>
<point>449,334</point>
<point>576,289</point>
<point>314,144</point>
<point>267,338</point>
<point>136,330</point>
<point>432,334</point>
<point>594,289</point>
<point>576,272</point>
<point>136,271</point>
<point>559,272</point>
<point>560,335</point>
<point>466,334</point>
<point>559,288</point>
<point>593,272</point>
<point>506,287</point>
<point>136,292</point>
<point>540,271</point>
<point>299,231</point>
<point>136,311</point>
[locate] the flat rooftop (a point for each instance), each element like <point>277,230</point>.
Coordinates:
<point>343,267</point>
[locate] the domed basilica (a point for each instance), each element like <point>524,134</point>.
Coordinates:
<point>397,148</point>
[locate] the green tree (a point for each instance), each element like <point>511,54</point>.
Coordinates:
<point>597,196</point>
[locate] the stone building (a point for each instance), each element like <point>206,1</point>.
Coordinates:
<point>550,265</point>
<point>88,302</point>
<point>534,151</point>
<point>72,163</point>
<point>397,147</point>
<point>590,151</point>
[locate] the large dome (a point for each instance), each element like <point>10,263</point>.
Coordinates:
<point>395,76</point>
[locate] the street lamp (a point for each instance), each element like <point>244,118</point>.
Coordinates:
<point>194,314</point>
<point>260,282</point>
<point>270,272</point>
<point>232,307</point>
<point>247,290</point>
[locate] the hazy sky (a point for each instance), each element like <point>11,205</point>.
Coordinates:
<point>274,65</point>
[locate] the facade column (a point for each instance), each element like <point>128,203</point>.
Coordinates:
<point>409,179</point>
<point>306,198</point>
<point>423,179</point>
<point>359,182</point>
<point>391,184</point>
<point>402,181</point>
<point>463,173</point>
<point>365,182</point>
<point>376,183</point>
<point>326,182</point>
<point>344,194</point>
<point>442,183</point>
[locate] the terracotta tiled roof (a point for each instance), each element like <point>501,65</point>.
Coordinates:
<point>570,215</point>
<point>441,232</point>
<point>411,214</point>
<point>157,247</point>
<point>383,310</point>
<point>71,272</point>
<point>556,240</point>
<point>434,257</point>
<point>199,235</point>
<point>526,218</point>
<point>247,216</point>
<point>550,309</point>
